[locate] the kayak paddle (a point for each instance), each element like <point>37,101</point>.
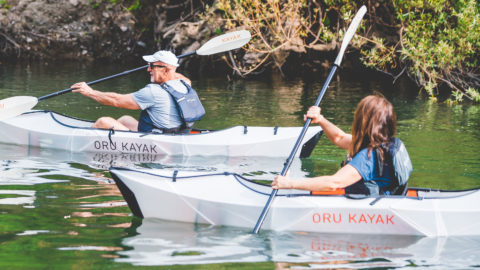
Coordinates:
<point>346,40</point>
<point>14,106</point>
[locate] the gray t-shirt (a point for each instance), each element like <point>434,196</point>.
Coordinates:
<point>160,105</point>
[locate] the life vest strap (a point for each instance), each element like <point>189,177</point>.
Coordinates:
<point>339,191</point>
<point>412,193</point>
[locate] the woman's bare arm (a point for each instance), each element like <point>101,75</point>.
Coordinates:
<point>344,177</point>
<point>334,133</point>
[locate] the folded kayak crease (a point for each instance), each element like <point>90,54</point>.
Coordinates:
<point>441,229</point>
<point>190,205</point>
<point>418,227</point>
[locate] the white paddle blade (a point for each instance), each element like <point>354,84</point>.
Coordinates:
<point>225,42</point>
<point>349,34</point>
<point>13,106</point>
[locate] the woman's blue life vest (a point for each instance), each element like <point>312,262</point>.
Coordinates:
<point>396,159</point>
<point>189,107</point>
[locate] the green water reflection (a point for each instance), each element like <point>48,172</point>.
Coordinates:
<point>441,140</point>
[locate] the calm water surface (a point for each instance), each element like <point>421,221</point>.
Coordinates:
<point>61,210</point>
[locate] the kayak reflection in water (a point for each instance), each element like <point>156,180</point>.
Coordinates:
<point>159,109</point>
<point>369,152</point>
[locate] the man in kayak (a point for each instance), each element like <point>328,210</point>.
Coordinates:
<point>159,109</point>
<point>369,168</point>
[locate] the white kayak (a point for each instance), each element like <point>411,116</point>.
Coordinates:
<point>53,130</point>
<point>232,200</point>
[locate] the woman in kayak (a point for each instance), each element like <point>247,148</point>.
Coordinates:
<point>368,168</point>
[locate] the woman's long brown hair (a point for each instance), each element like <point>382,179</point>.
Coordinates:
<point>374,124</point>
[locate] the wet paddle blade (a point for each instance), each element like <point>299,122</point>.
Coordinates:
<point>225,42</point>
<point>13,106</point>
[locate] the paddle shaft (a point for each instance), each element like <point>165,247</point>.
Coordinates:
<point>93,82</point>
<point>105,79</point>
<point>346,40</point>
<point>290,158</point>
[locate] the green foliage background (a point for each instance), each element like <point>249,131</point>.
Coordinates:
<point>435,42</point>
<point>438,42</point>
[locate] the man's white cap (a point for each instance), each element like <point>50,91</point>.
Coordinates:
<point>166,57</point>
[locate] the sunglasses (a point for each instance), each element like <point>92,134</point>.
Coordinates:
<point>152,66</point>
